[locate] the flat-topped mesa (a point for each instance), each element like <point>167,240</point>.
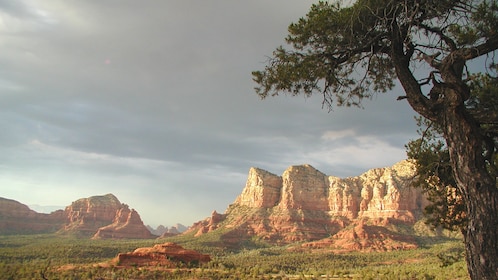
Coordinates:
<point>377,193</point>
<point>305,204</point>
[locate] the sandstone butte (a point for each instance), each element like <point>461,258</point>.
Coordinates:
<point>304,204</point>
<point>168,255</point>
<point>104,217</point>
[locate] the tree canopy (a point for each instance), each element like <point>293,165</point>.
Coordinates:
<point>439,52</point>
<point>347,53</point>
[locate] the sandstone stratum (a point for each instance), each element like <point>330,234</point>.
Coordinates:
<point>305,204</point>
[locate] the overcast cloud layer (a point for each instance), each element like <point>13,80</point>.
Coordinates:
<point>153,101</point>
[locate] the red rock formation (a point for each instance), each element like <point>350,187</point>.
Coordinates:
<point>169,255</point>
<point>87,215</point>
<point>366,238</point>
<point>17,218</point>
<point>208,224</point>
<point>126,224</point>
<point>305,188</point>
<point>305,204</point>
<point>262,189</point>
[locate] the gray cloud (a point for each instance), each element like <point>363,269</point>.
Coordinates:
<point>153,101</point>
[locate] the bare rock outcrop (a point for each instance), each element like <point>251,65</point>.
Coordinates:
<point>87,215</point>
<point>127,224</point>
<point>168,255</point>
<point>104,216</point>
<point>304,204</point>
<point>17,218</point>
<point>305,188</point>
<point>263,189</point>
<point>100,216</point>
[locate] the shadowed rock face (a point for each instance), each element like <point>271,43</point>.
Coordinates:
<point>127,224</point>
<point>168,255</point>
<point>305,204</point>
<point>17,218</point>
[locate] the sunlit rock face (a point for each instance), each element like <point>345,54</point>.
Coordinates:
<point>304,188</point>
<point>380,192</point>
<point>305,204</point>
<point>104,217</point>
<point>387,193</point>
<point>263,189</point>
<point>87,215</point>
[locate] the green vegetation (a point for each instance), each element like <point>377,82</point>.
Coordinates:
<point>64,257</point>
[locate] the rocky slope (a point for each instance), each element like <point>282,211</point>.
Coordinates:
<point>126,224</point>
<point>304,204</point>
<point>17,218</point>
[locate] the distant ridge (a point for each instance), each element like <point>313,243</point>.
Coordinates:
<point>85,217</point>
<point>17,218</point>
<point>46,209</point>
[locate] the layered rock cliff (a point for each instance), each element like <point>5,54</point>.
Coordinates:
<point>305,204</point>
<point>87,215</point>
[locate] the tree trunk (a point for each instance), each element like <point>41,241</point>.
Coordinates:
<point>479,192</point>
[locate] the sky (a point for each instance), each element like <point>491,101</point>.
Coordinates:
<point>154,102</point>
